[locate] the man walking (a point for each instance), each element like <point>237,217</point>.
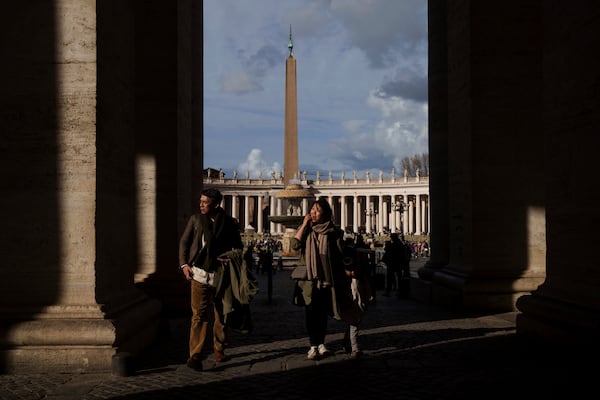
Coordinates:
<point>204,250</point>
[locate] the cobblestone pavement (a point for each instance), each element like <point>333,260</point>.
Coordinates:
<point>411,351</point>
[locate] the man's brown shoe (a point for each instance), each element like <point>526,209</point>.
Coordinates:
<point>356,354</point>
<point>220,356</point>
<point>195,364</point>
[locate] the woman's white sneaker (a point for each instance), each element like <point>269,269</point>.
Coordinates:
<point>323,350</point>
<point>313,353</point>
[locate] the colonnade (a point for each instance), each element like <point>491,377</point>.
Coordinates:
<point>376,207</point>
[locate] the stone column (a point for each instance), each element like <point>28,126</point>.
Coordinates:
<point>344,213</point>
<point>305,207</point>
<point>481,272</point>
<point>246,210</point>
<point>272,208</point>
<point>424,215</point>
<point>399,220</point>
<point>234,207</point>
<point>92,155</point>
<point>411,217</point>
<point>418,216</point>
<point>386,215</point>
<point>259,217</point>
<point>404,219</point>
<point>380,214</point>
<point>355,212</point>
<point>279,210</point>
<point>566,306</point>
<point>368,217</point>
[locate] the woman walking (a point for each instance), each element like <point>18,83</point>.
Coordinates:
<point>321,244</point>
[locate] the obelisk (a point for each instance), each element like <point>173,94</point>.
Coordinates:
<point>290,142</point>
<point>293,192</point>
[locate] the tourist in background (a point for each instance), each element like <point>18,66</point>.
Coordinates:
<point>393,252</point>
<point>355,294</point>
<point>249,257</point>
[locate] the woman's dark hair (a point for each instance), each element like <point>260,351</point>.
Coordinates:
<point>326,211</point>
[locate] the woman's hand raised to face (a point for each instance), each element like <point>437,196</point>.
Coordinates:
<point>307,219</point>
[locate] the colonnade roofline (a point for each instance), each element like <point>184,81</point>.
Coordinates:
<point>364,183</point>
<point>253,186</point>
<point>369,205</point>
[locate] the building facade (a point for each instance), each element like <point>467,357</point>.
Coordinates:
<point>360,204</point>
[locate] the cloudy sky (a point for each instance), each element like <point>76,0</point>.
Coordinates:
<point>361,82</point>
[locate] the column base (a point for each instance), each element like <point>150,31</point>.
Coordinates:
<point>64,340</point>
<point>556,321</point>
<point>486,293</point>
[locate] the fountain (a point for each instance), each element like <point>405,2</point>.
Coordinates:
<point>293,193</point>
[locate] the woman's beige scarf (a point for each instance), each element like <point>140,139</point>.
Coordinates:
<point>317,257</point>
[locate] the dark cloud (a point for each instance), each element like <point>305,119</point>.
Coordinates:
<point>385,30</point>
<point>260,63</point>
<point>413,89</point>
<point>254,69</point>
<point>359,152</point>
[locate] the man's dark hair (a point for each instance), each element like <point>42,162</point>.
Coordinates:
<point>213,194</point>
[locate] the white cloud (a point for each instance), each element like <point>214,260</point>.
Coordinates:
<point>400,132</point>
<point>255,166</point>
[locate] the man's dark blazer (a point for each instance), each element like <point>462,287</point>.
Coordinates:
<point>223,237</point>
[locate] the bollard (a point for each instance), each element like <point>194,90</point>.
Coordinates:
<point>122,364</point>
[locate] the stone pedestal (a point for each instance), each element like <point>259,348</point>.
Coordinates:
<point>286,250</point>
<point>292,193</point>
